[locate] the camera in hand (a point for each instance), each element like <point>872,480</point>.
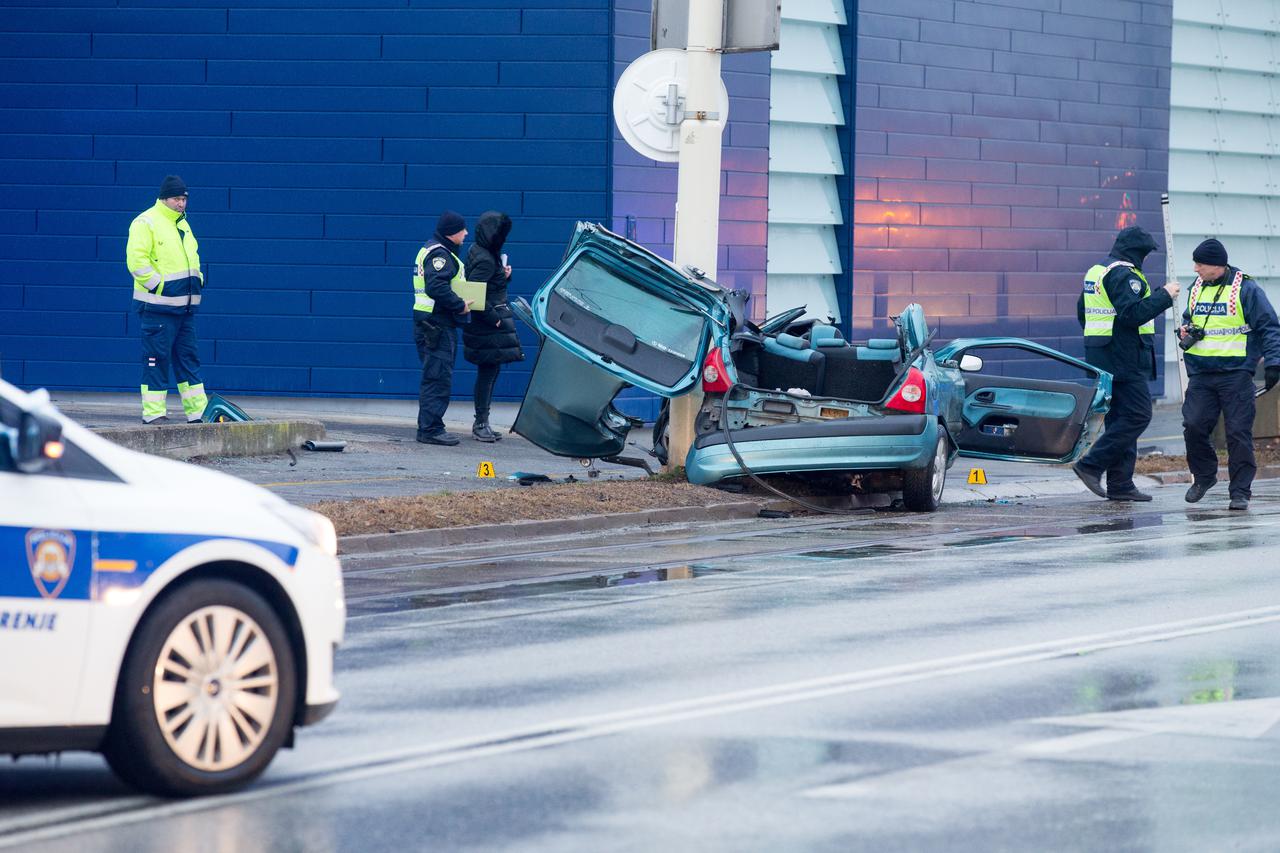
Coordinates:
<point>1192,336</point>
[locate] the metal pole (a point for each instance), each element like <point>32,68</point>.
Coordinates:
<point>1171,276</point>
<point>697,238</point>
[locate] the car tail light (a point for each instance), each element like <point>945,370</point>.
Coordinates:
<point>715,379</point>
<point>911,396</point>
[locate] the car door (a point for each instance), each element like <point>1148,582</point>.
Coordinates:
<point>1024,401</point>
<point>613,315</point>
<point>46,573</point>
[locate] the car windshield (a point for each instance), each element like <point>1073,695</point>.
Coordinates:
<point>654,319</point>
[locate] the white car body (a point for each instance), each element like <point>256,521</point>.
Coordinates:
<point>87,546</point>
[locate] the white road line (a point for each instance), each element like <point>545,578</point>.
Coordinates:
<point>598,725</point>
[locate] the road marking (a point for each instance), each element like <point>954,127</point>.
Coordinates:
<point>332,482</point>
<point>599,725</point>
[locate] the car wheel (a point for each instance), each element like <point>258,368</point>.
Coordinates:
<point>207,692</point>
<point>922,487</point>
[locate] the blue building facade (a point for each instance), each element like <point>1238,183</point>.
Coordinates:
<point>990,150</point>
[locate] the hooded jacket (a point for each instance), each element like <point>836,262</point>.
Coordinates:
<point>490,337</point>
<point>1127,355</point>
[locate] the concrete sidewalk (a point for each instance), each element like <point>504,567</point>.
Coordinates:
<point>382,459</point>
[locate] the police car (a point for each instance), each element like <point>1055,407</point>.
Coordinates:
<point>179,621</point>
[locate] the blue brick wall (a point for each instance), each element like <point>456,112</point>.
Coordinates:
<point>644,197</point>
<point>999,146</point>
<point>320,140</point>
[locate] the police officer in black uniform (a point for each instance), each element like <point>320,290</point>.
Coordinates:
<point>1117,310</point>
<point>1228,324</point>
<point>437,312</point>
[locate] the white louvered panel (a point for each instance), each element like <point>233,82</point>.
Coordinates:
<point>816,292</point>
<point>1193,130</point>
<point>802,249</point>
<point>1236,171</point>
<point>809,48</point>
<point>818,11</point>
<point>1248,254</point>
<point>1197,46</point>
<point>1248,14</point>
<point>805,99</point>
<point>807,149</point>
<point>1193,172</point>
<point>1192,214</point>
<point>1246,50</point>
<point>1241,216</point>
<point>1197,12</point>
<point>1244,133</point>
<point>1246,93</point>
<point>808,199</point>
<point>1273,215</point>
<point>1196,88</point>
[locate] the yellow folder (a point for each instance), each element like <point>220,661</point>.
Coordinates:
<point>473,290</point>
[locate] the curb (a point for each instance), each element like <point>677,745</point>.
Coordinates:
<point>246,438</point>
<point>1267,472</point>
<point>368,543</point>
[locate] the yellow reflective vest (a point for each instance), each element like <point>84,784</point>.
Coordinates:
<point>1221,315</point>
<point>1099,313</point>
<point>421,301</point>
<point>164,260</point>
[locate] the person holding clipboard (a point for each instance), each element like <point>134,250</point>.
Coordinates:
<point>437,311</point>
<point>490,339</point>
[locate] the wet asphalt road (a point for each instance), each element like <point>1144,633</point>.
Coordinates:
<point>1064,674</point>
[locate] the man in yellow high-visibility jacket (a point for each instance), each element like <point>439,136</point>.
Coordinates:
<point>437,312</point>
<point>1228,324</point>
<point>1117,309</point>
<point>164,259</point>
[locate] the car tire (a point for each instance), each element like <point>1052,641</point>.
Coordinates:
<point>207,693</point>
<point>922,487</point>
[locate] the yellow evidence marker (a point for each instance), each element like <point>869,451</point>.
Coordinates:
<point>977,477</point>
<point>485,469</point>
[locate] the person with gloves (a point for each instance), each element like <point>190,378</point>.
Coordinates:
<point>1228,325</point>
<point>437,312</point>
<point>1117,309</point>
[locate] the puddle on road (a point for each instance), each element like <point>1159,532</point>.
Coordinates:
<point>524,590</point>
<point>859,552</point>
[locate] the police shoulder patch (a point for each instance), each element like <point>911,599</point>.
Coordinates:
<point>438,263</point>
<point>1135,285</point>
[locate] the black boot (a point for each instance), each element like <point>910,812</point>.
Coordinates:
<point>480,431</point>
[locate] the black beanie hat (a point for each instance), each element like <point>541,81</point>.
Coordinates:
<point>1210,252</point>
<point>172,187</point>
<point>450,223</point>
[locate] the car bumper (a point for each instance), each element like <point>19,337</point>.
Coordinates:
<point>851,444</point>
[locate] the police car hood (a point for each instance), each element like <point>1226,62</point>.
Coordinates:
<point>1133,244</point>
<point>165,477</point>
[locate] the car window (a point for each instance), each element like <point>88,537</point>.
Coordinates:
<point>619,317</point>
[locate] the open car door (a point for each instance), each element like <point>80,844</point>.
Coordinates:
<point>613,315</point>
<point>1009,413</point>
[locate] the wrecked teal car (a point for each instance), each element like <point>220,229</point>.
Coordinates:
<point>787,396</point>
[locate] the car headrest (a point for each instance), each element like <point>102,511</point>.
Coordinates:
<point>883,343</point>
<point>792,341</point>
<point>871,354</point>
<point>825,336</point>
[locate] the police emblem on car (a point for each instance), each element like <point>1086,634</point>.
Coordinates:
<point>50,555</point>
<point>438,263</point>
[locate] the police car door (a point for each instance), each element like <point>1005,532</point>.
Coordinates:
<point>46,560</point>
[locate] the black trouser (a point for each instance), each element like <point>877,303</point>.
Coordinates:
<point>486,377</point>
<point>1116,452</point>
<point>1230,393</point>
<point>436,344</point>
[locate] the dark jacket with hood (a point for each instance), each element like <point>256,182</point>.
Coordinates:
<point>490,337</point>
<point>1127,355</point>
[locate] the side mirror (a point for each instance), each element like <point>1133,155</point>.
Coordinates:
<point>37,442</point>
<point>970,363</point>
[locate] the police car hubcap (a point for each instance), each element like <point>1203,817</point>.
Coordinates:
<point>216,687</point>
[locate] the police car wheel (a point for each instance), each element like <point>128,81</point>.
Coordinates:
<point>207,693</point>
<point>922,487</point>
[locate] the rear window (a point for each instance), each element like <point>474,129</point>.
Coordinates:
<point>653,319</point>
